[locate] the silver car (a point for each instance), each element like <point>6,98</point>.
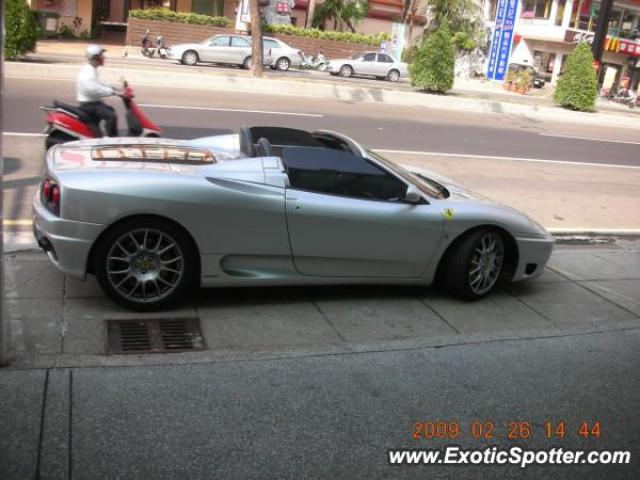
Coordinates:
<point>155,218</point>
<point>282,55</point>
<point>224,49</point>
<point>372,64</point>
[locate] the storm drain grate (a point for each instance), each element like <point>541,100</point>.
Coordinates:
<point>161,335</point>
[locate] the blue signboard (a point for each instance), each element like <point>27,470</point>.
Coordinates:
<point>502,39</point>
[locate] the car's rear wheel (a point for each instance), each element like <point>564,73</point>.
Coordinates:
<point>283,64</point>
<point>346,71</point>
<point>145,263</point>
<point>190,57</point>
<point>247,63</point>
<point>474,265</point>
<point>393,75</point>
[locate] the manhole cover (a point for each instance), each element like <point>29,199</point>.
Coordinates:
<point>162,335</point>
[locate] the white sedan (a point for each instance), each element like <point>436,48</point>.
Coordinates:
<point>226,49</point>
<point>283,56</point>
<point>373,64</point>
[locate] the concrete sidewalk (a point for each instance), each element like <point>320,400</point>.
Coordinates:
<point>315,383</point>
<point>55,321</point>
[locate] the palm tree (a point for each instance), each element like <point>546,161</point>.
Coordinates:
<point>343,12</point>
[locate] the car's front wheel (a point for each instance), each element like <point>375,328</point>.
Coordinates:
<point>474,265</point>
<point>247,63</point>
<point>145,263</point>
<point>190,57</point>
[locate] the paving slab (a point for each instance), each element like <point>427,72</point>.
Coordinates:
<point>35,325</point>
<point>261,319</point>
<point>625,293</point>
<point>21,397</point>
<point>379,313</point>
<point>88,288</point>
<point>54,458</point>
<point>597,266</point>
<point>500,312</point>
<point>568,303</point>
<point>30,275</point>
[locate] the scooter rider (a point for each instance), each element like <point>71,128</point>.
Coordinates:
<point>90,91</point>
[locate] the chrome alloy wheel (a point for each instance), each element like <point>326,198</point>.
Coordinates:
<point>485,264</point>
<point>190,58</point>
<point>145,265</point>
<point>283,64</point>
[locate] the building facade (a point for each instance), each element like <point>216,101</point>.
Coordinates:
<point>547,30</point>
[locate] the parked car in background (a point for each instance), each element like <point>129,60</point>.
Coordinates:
<point>282,55</point>
<point>225,49</point>
<point>372,64</point>
<point>537,80</point>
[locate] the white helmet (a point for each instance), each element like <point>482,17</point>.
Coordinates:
<point>94,51</point>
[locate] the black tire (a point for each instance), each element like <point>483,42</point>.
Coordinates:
<point>465,266</point>
<point>346,71</point>
<point>55,138</point>
<point>283,64</point>
<point>141,263</point>
<point>246,64</point>
<point>190,57</point>
<point>393,75</point>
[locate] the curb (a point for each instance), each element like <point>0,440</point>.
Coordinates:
<point>318,89</point>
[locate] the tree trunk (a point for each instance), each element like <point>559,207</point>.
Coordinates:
<point>311,8</point>
<point>256,39</point>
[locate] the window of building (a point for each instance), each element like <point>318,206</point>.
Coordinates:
<point>536,9</point>
<point>207,7</point>
<point>560,13</point>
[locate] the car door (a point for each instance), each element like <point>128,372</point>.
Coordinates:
<point>240,49</point>
<point>366,64</point>
<point>346,217</point>
<point>383,65</point>
<point>216,50</point>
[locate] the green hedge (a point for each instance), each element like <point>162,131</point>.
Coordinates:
<point>433,63</point>
<point>578,86</point>
<point>179,17</point>
<point>347,37</point>
<point>21,31</point>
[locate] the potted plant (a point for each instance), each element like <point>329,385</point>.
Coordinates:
<point>523,82</point>
<point>508,80</point>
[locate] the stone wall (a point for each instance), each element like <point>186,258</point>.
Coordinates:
<point>175,33</point>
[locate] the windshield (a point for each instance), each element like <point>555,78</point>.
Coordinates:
<point>424,184</point>
<point>356,56</point>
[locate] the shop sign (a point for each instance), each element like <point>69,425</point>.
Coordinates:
<point>502,39</point>
<point>611,44</point>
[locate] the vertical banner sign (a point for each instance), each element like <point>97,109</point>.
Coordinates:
<point>502,39</point>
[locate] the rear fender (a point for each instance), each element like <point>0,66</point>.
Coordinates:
<point>69,124</point>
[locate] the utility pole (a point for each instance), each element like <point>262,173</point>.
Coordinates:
<point>601,30</point>
<point>3,327</point>
<point>256,39</point>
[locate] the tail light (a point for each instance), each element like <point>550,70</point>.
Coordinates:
<point>50,194</point>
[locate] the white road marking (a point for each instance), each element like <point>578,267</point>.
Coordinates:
<point>516,159</point>
<point>213,109</point>
<point>22,134</point>
<point>573,137</point>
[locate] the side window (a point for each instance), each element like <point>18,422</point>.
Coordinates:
<point>239,42</point>
<point>270,43</point>
<point>220,42</point>
<point>369,57</point>
<point>383,57</point>
<point>334,172</point>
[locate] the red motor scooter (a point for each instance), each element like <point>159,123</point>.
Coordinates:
<point>66,123</point>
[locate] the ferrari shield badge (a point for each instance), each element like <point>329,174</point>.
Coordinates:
<point>447,213</point>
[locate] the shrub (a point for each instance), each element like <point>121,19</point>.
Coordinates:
<point>21,29</point>
<point>463,41</point>
<point>433,62</point>
<point>179,17</point>
<point>578,87</point>
<point>324,35</point>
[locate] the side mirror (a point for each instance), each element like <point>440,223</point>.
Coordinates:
<point>413,195</point>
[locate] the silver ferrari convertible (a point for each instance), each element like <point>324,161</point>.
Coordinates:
<point>154,219</point>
